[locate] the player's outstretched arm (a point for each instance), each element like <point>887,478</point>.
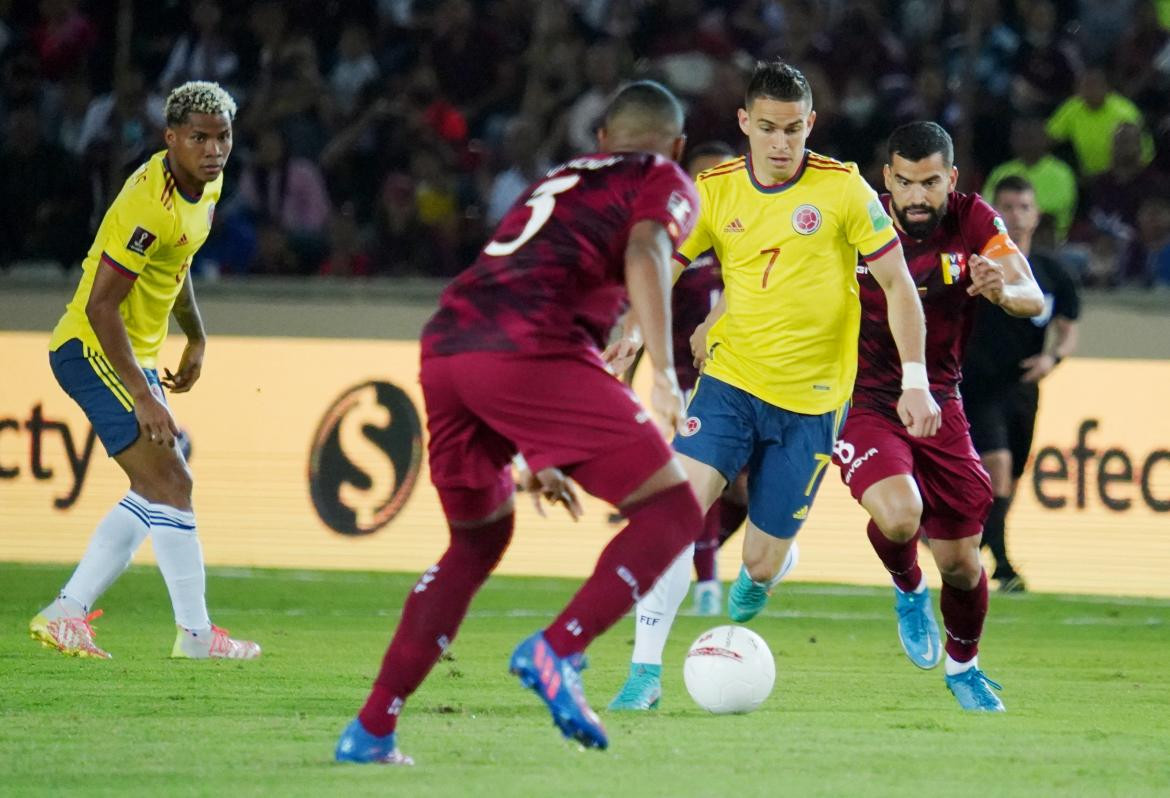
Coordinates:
<point>186,313</point>
<point>916,407</point>
<point>648,275</point>
<point>1007,281</point>
<point>109,289</point>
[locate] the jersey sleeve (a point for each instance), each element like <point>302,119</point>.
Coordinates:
<point>667,196</point>
<point>867,226</point>
<point>699,241</point>
<point>984,230</point>
<point>138,227</point>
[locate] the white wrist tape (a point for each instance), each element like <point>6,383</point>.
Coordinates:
<point>914,376</point>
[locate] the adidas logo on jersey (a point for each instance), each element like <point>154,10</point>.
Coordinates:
<point>801,514</point>
<point>182,240</point>
<point>734,226</point>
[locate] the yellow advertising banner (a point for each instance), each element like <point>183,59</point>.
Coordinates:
<point>310,454</point>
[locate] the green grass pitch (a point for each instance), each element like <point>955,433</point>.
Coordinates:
<point>1085,683</point>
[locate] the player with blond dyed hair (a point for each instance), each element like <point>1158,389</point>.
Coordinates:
<point>104,353</point>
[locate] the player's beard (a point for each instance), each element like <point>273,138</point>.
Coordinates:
<point>919,230</point>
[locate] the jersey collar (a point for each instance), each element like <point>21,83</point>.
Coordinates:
<point>776,188</point>
<point>167,168</point>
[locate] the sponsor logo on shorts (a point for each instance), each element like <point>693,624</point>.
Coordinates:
<point>365,460</point>
<point>806,219</point>
<point>690,427</point>
<point>856,464</point>
<point>801,514</point>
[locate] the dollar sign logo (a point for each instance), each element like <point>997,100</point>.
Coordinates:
<point>366,455</point>
<point>365,458</point>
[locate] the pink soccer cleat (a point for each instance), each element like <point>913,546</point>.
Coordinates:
<point>71,635</point>
<point>218,645</point>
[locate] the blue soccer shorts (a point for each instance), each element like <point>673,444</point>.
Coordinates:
<point>90,380</point>
<point>786,453</point>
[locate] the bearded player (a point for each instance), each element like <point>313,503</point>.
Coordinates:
<point>959,254</point>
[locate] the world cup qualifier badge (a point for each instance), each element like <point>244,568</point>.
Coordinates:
<point>806,220</point>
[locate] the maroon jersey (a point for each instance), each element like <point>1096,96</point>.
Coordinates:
<point>696,292</point>
<point>552,279</point>
<point>938,266</point>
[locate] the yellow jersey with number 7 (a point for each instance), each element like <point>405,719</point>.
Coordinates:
<point>789,254</point>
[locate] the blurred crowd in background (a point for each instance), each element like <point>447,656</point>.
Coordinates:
<point>386,137</point>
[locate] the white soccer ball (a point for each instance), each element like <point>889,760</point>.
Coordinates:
<point>729,669</point>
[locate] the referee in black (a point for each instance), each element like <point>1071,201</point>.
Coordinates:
<point>1006,359</point>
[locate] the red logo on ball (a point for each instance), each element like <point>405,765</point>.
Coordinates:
<point>806,220</point>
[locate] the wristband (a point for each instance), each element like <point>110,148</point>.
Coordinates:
<point>914,376</point>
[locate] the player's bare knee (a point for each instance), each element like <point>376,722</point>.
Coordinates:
<point>664,478</point>
<point>171,485</point>
<point>899,521</point>
<point>959,569</point>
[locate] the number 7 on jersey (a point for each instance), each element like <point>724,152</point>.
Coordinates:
<point>775,251</point>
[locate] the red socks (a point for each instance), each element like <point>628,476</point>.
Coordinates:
<point>963,612</point>
<point>432,614</point>
<point>659,528</point>
<point>900,559</point>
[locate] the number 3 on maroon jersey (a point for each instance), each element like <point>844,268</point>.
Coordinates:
<point>542,202</point>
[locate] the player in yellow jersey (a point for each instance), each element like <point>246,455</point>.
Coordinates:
<point>779,350</point>
<point>104,352</point>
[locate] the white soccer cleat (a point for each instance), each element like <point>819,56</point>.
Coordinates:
<point>71,635</point>
<point>218,645</point>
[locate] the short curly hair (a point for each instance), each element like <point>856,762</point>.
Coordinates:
<point>198,97</point>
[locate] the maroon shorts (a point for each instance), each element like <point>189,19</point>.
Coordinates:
<point>956,491</point>
<point>561,410</point>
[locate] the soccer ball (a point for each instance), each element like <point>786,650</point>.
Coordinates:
<point>729,669</point>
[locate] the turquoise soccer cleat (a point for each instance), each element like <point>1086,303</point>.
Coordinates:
<point>917,628</point>
<point>708,598</point>
<point>747,597</point>
<point>973,689</point>
<point>642,690</point>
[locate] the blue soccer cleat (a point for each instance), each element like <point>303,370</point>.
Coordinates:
<point>358,745</point>
<point>642,690</point>
<point>973,689</point>
<point>917,628</point>
<point>558,683</point>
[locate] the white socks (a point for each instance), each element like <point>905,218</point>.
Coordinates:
<point>118,536</point>
<point>113,544</point>
<point>655,613</point>
<point>954,667</point>
<point>180,558</point>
